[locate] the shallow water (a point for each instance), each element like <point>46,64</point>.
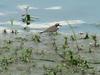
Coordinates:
<point>51,11</point>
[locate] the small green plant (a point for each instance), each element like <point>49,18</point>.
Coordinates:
<point>71,61</point>
<point>12,24</point>
<point>27,18</point>
<point>66,40</point>
<point>55,34</point>
<point>65,45</point>
<point>5,62</point>
<point>21,39</point>
<point>86,36</point>
<point>8,41</point>
<point>7,44</point>
<point>75,62</point>
<point>36,38</point>
<point>74,37</point>
<point>4,31</point>
<point>94,37</point>
<point>26,55</point>
<point>52,71</point>
<point>90,51</point>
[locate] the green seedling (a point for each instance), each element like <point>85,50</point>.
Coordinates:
<point>6,47</point>
<point>94,37</point>
<point>7,44</point>
<point>74,37</point>
<point>14,31</point>
<point>93,72</point>
<point>21,39</point>
<point>36,38</point>
<point>12,24</point>
<point>5,62</point>
<point>83,72</point>
<point>65,45</point>
<point>27,18</point>
<point>66,40</point>
<point>55,33</point>
<point>75,61</point>
<point>52,71</point>
<point>55,47</point>
<point>4,31</point>
<point>71,61</point>
<point>86,36</point>
<point>8,41</point>
<point>26,55</point>
<point>90,51</point>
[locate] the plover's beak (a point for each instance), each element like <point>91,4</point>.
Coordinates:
<point>60,25</point>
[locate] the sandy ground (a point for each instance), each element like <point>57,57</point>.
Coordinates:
<point>43,53</point>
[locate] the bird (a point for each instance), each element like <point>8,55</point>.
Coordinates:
<point>53,28</point>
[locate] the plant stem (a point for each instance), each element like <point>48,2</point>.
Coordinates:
<point>56,48</point>
<point>74,36</point>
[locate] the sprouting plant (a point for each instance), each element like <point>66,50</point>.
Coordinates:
<point>21,39</point>
<point>4,31</point>
<point>26,55</point>
<point>83,72</point>
<point>90,51</point>
<point>8,41</point>
<point>36,38</point>
<point>71,61</point>
<point>55,47</point>
<point>75,62</point>
<point>26,17</point>
<point>52,71</point>
<point>65,45</point>
<point>7,44</point>
<point>86,36</point>
<point>74,36</point>
<point>55,34</point>
<point>94,37</point>
<point>93,72</point>
<point>5,62</point>
<point>12,24</point>
<point>66,40</point>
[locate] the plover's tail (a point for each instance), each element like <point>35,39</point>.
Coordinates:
<point>41,32</point>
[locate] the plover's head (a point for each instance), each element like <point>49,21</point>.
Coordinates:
<point>57,24</point>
